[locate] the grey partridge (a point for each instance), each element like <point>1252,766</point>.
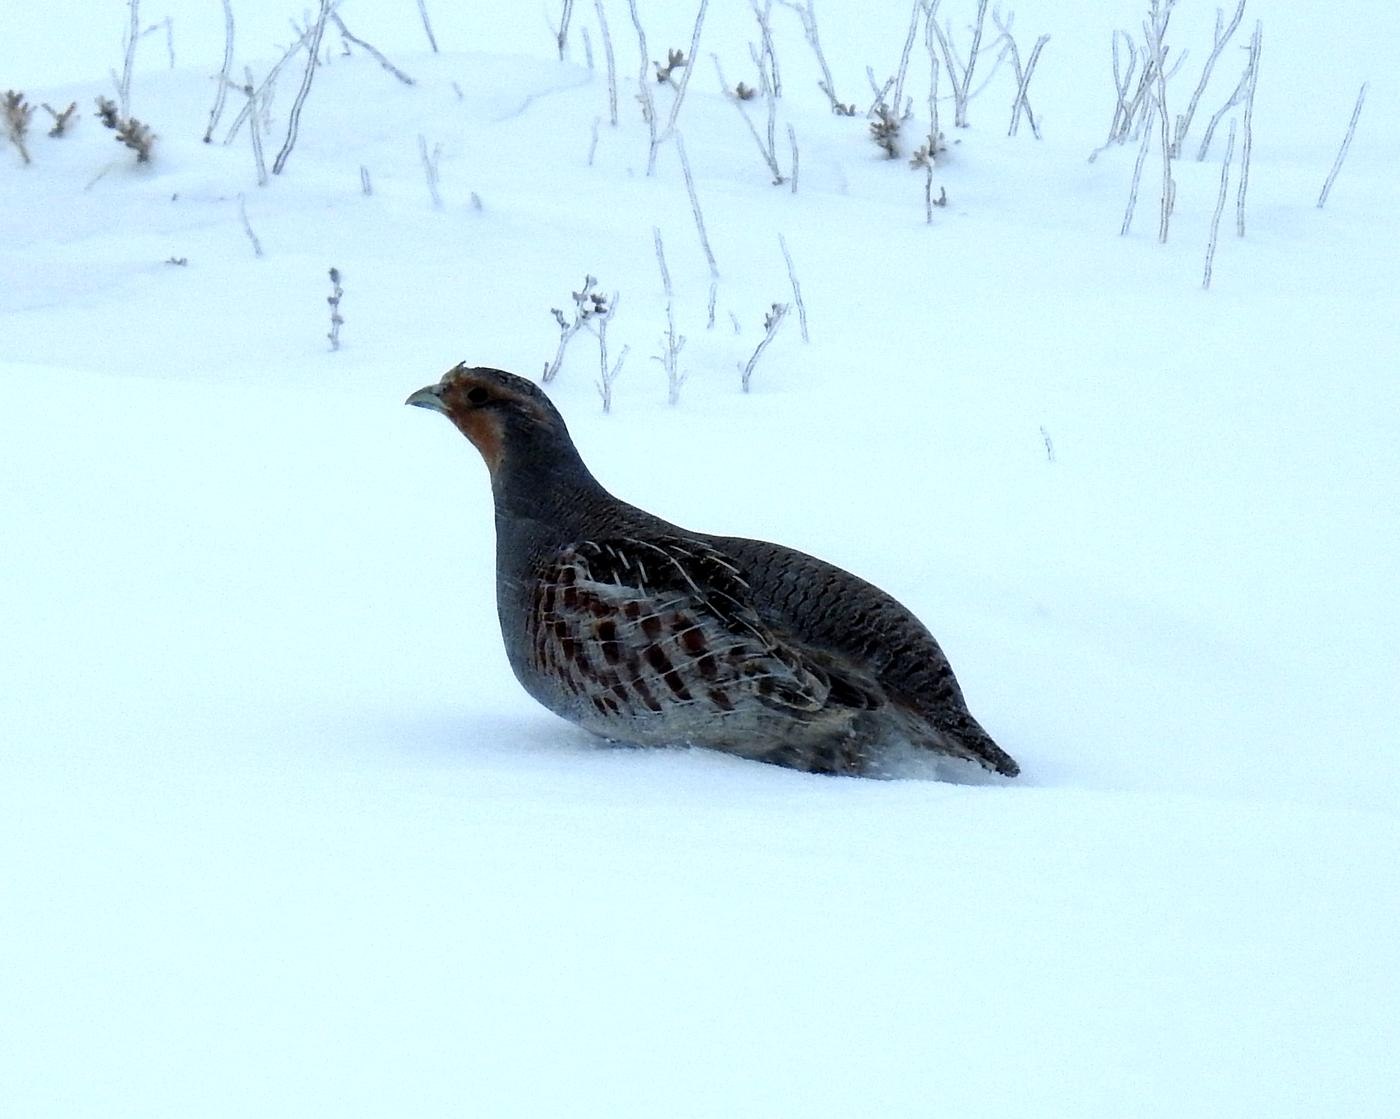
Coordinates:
<point>650,634</point>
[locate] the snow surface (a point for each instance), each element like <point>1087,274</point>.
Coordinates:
<point>279,833</point>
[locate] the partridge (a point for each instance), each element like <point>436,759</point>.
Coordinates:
<point>651,634</point>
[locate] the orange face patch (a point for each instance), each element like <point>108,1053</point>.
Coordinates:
<point>484,430</point>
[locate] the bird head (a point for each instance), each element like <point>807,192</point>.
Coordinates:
<point>497,411</point>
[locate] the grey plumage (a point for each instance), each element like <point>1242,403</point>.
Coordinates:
<point>647,633</point>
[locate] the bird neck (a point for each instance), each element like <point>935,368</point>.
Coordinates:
<point>546,482</point>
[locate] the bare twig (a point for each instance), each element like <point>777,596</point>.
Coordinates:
<point>766,149</point>
<point>428,27</point>
<point>796,288</point>
<point>904,55</point>
<point>643,83</point>
<point>253,130</point>
<point>248,227</point>
<point>674,342</point>
<point>294,119</point>
<point>699,225</point>
<point>1021,105</point>
<point>657,141</point>
<point>129,57</point>
<point>1154,33</point>
<point>365,188</point>
<point>765,35</point>
<point>334,300</point>
<point>1219,206</point>
<point>224,80</point>
<point>430,168</point>
<point>370,49</point>
<point>1342,151</point>
<point>1247,143</point>
<point>960,74</point>
<point>935,134</point>
<point>806,12</point>
<point>607,374</point>
<point>561,37</point>
<point>612,64</point>
<point>61,118</point>
<point>589,304</point>
<point>1137,169</point>
<point>792,143</point>
<point>18,113</point>
<point>771,322</point>
<point>1223,34</point>
<point>264,92</point>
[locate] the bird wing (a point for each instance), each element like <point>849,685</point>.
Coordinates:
<point>647,625</point>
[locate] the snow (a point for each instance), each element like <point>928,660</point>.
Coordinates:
<point>280,834</point>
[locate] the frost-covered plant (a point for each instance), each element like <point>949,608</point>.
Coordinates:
<point>334,301</point>
<point>675,60</point>
<point>589,305</point>
<point>135,134</point>
<point>18,112</point>
<point>923,160</point>
<point>61,119</point>
<point>771,321</point>
<point>884,130</point>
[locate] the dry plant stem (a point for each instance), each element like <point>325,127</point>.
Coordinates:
<point>427,27</point>
<point>253,128</point>
<point>796,288</point>
<point>766,150</point>
<point>365,187</point>
<point>430,168</point>
<point>248,227</point>
<point>1223,34</point>
<point>1154,36</point>
<point>61,120</point>
<point>961,86</point>
<point>129,59</point>
<point>657,141</point>
<point>224,81</point>
<point>334,301</point>
<point>1247,142</point>
<point>644,81</point>
<point>765,34</point>
<point>807,13</point>
<point>1219,206</point>
<point>1342,151</point>
<point>904,57</point>
<point>1236,98</point>
<point>933,129</point>
<point>612,64</point>
<point>607,374</point>
<point>699,226</point>
<point>1137,169</point>
<point>294,119</point>
<point>1122,114</point>
<point>371,50</point>
<point>562,38</point>
<point>586,303</point>
<point>1021,105</point>
<point>771,322</point>
<point>593,141</point>
<point>17,114</point>
<point>265,86</point>
<point>792,143</point>
<point>674,342</point>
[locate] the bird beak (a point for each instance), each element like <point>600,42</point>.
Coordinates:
<point>429,397</point>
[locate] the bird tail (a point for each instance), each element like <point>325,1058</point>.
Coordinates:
<point>967,740</point>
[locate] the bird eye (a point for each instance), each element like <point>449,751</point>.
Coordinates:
<point>478,395</point>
